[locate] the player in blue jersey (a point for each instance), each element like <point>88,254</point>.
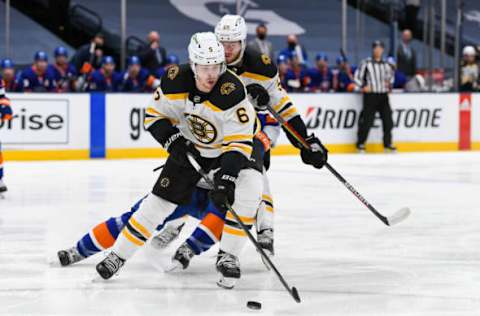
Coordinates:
<point>136,78</point>
<point>65,73</point>
<point>8,75</point>
<point>320,76</point>
<point>343,76</point>
<point>39,76</point>
<point>106,78</point>
<point>103,235</point>
<point>296,77</point>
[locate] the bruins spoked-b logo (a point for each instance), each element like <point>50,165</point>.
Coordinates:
<point>266,60</point>
<point>227,88</point>
<point>203,130</point>
<point>164,182</point>
<point>172,72</point>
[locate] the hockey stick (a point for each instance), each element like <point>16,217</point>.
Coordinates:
<point>395,218</point>
<point>158,168</point>
<point>293,290</point>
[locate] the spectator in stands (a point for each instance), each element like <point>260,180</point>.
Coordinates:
<point>7,74</point>
<point>38,77</point>
<point>406,55</point>
<point>470,71</point>
<point>399,79</point>
<point>296,78</point>
<point>135,78</point>
<point>153,55</point>
<point>105,78</point>
<point>294,46</point>
<point>89,56</point>
<point>283,67</point>
<point>65,73</point>
<point>343,80</point>
<point>260,43</point>
<point>320,76</point>
<point>172,59</point>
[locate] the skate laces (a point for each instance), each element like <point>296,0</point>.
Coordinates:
<point>74,255</point>
<point>228,260</point>
<point>113,262</point>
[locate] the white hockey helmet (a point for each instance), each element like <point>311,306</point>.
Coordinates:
<point>232,28</point>
<point>205,49</point>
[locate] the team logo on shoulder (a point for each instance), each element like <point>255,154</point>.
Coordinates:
<point>204,131</point>
<point>172,72</point>
<point>164,182</point>
<point>266,60</point>
<point>227,88</point>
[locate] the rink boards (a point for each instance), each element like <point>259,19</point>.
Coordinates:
<point>97,125</point>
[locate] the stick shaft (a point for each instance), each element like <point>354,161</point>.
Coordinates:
<point>350,187</point>
<point>246,230</point>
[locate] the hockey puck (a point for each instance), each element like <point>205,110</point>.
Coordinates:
<point>254,305</point>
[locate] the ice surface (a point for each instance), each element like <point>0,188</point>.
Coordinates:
<point>341,258</point>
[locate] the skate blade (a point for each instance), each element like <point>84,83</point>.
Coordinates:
<point>174,266</point>
<point>226,283</point>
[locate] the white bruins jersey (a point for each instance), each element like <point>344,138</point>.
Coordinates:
<point>220,121</point>
<point>258,68</point>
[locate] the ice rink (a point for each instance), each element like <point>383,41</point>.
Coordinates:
<point>341,258</point>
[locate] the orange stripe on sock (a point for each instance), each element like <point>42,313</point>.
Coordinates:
<point>1,158</point>
<point>103,236</point>
<point>214,224</point>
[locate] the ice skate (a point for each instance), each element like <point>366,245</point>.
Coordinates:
<point>228,267</point>
<point>110,265</point>
<point>69,256</point>
<point>182,257</point>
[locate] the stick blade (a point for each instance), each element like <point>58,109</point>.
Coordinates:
<point>295,295</point>
<point>399,216</point>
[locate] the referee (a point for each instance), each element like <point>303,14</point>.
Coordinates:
<point>375,77</point>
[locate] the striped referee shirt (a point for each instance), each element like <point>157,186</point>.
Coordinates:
<point>377,75</point>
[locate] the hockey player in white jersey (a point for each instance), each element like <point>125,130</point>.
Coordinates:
<point>260,75</point>
<point>200,108</point>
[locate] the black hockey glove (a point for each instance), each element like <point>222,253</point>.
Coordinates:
<point>178,146</point>
<point>223,195</point>
<point>258,96</point>
<point>317,155</point>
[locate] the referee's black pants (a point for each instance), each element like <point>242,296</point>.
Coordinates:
<point>372,103</point>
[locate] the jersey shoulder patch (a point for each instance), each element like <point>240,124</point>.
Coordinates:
<point>259,64</point>
<point>177,79</point>
<point>228,92</point>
